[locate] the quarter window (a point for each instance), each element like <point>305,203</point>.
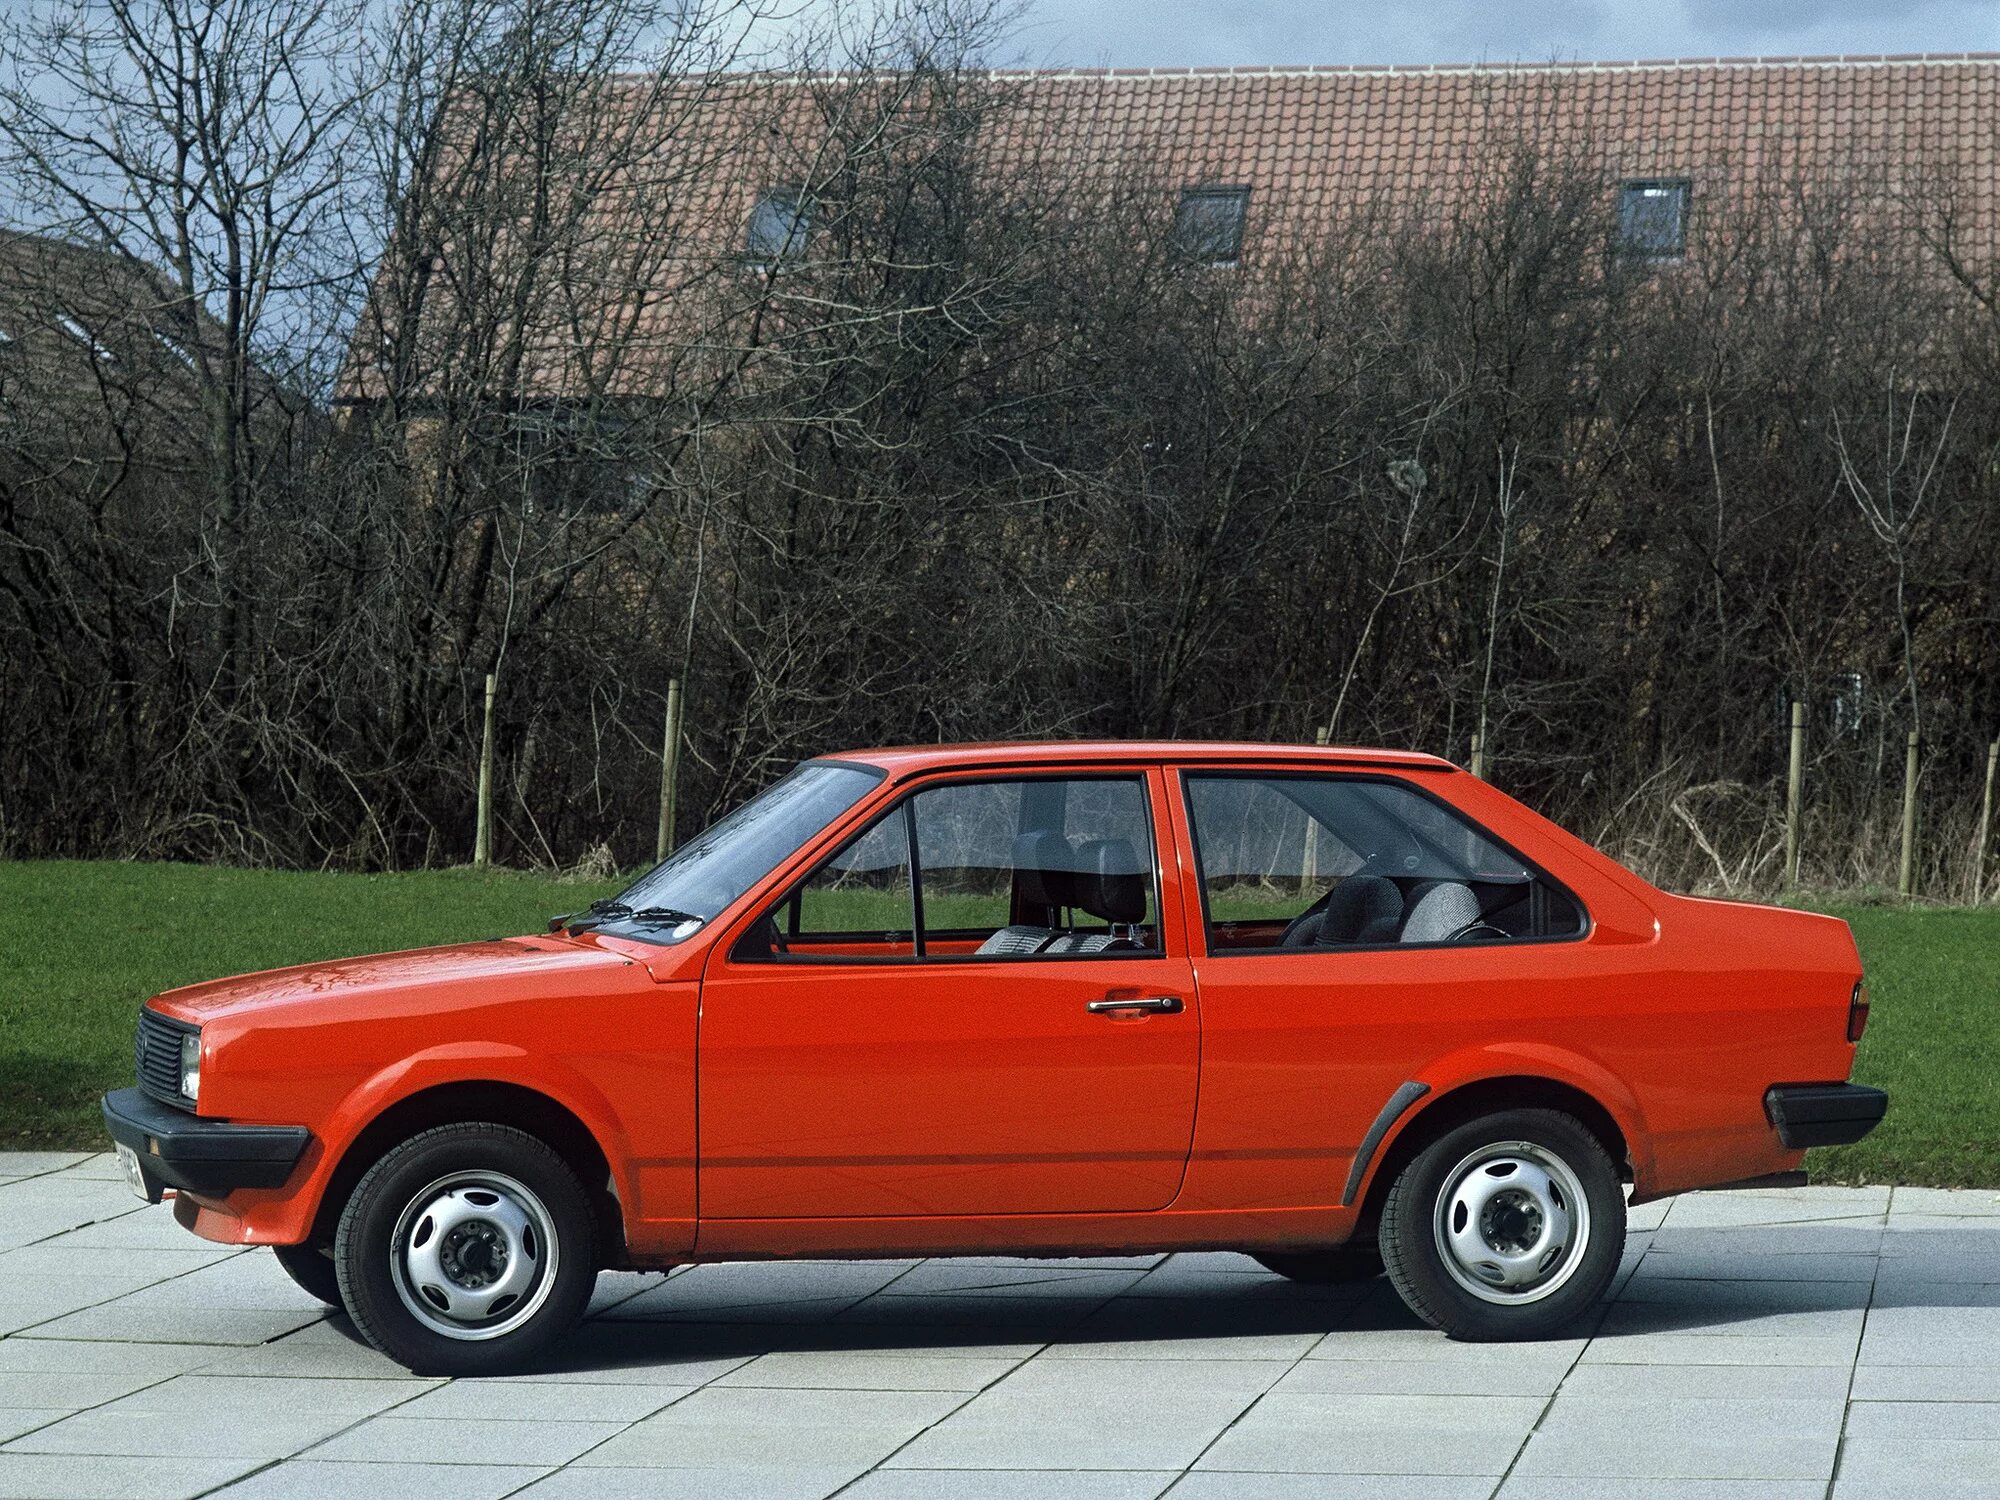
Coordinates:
<point>860,904</point>
<point>1319,862</point>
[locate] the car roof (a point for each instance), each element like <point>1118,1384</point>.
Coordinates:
<point>903,760</point>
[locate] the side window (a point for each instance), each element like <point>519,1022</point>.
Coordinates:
<point>1005,869</point>
<point>1038,867</point>
<point>1352,861</point>
<point>860,904</point>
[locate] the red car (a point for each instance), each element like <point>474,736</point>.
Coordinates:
<point>1339,1009</point>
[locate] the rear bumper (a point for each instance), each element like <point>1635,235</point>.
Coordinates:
<point>1823,1114</point>
<point>180,1150</point>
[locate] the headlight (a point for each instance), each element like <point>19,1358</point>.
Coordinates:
<point>191,1067</point>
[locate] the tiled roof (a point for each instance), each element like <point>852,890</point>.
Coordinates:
<point>1313,144</point>
<point>1309,140</point>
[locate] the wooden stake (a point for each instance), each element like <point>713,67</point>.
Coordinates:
<point>1795,785</point>
<point>1906,874</point>
<point>670,765</point>
<point>1985,826</point>
<point>1311,872</point>
<point>482,833</point>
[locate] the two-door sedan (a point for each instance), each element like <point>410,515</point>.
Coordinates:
<point>1343,1010</point>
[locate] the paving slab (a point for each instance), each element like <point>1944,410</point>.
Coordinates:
<point>1948,1202</point>
<point>537,1401</point>
<point>1075,1425</point>
<point>727,1429</point>
<point>316,1479</point>
<point>1018,1484</point>
<point>21,1421</point>
<point>1664,1437</point>
<point>1210,1484</point>
<point>1768,1347</point>
<point>467,1440</point>
<point>19,1164</point>
<point>1535,1487</point>
<point>1928,1382</point>
<point>137,1434</point>
<point>809,1482</point>
<point>867,1370</point>
<point>1926,1465</point>
<point>158,1476</point>
<point>1368,1434</point>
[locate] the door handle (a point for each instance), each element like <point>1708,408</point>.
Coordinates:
<point>1137,1005</point>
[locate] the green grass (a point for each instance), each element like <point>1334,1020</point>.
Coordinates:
<point>85,943</point>
<point>1933,1042</point>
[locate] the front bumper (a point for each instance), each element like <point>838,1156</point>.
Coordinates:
<point>1823,1114</point>
<point>180,1150</point>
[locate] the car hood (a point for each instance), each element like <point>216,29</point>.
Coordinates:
<point>383,974</point>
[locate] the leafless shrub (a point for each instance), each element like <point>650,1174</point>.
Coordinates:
<point>982,454</point>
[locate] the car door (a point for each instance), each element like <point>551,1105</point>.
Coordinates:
<point>974,1008</point>
<point>1432,938</point>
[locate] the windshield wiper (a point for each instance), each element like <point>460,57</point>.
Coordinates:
<point>604,910</point>
<point>653,915</point>
<point>610,910</point>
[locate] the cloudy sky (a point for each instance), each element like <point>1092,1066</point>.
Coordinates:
<point>1214,33</point>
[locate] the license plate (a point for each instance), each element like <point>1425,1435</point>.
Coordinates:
<point>135,1175</point>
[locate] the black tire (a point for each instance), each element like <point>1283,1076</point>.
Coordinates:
<point>1447,1175</point>
<point>1334,1267</point>
<point>498,1222</point>
<point>312,1269</point>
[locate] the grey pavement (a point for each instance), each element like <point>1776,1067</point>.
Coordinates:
<point>1812,1342</point>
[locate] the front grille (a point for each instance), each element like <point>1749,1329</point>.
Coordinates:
<point>157,1056</point>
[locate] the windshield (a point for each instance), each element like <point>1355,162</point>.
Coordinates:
<point>705,875</point>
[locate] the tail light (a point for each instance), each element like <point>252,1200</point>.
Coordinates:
<point>1857,1011</point>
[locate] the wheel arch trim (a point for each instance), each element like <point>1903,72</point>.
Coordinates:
<point>1407,1093</point>
<point>1446,1086</point>
<point>472,1066</point>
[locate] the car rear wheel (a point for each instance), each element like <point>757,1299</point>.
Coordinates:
<point>1342,1263</point>
<point>467,1250</point>
<point>311,1268</point>
<point>1508,1227</point>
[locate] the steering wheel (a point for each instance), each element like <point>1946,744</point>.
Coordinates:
<point>1303,917</point>
<point>1476,931</point>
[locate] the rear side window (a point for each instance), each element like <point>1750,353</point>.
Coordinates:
<point>1355,861</point>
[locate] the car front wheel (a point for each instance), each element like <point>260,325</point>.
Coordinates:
<point>1508,1227</point>
<point>467,1250</point>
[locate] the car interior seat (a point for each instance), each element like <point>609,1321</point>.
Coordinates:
<point>1110,886</point>
<point>1361,909</point>
<point>1439,911</point>
<point>1100,878</point>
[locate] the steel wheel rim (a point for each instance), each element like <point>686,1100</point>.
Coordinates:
<point>474,1255</point>
<point>1511,1223</point>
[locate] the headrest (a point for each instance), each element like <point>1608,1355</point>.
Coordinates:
<point>1044,869</point>
<point>1361,909</point>
<point>1111,886</point>
<point>1439,912</point>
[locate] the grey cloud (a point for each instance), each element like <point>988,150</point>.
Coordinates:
<point>1179,33</point>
